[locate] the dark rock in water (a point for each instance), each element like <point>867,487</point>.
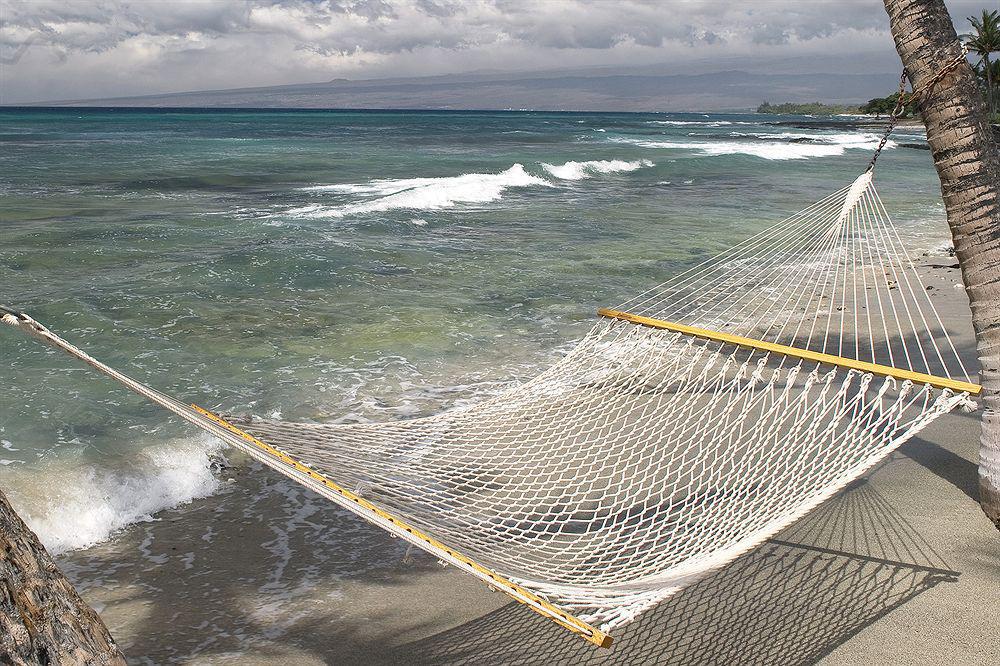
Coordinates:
<point>915,146</point>
<point>391,269</point>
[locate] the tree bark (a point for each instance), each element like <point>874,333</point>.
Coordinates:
<point>968,164</point>
<point>42,618</point>
<point>989,85</point>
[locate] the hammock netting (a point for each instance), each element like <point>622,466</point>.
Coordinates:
<point>650,455</point>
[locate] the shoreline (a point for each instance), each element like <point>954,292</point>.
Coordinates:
<point>266,570</point>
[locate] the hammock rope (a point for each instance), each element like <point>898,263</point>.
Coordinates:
<point>693,422</point>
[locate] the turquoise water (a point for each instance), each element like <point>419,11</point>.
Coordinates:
<point>351,265</point>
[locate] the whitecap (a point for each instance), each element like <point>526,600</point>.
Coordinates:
<point>700,123</point>
<point>80,503</point>
<point>846,139</point>
<point>822,146</point>
<point>581,170</point>
<point>421,193</point>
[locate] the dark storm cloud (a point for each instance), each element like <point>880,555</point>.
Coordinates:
<point>81,48</point>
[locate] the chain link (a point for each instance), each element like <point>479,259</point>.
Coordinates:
<point>903,99</point>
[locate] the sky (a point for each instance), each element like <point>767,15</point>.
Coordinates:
<point>90,49</point>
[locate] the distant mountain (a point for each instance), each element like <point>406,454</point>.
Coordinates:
<point>640,89</point>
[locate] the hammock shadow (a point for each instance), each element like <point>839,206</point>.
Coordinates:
<point>791,601</point>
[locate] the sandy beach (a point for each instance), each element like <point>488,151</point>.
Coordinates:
<point>898,568</point>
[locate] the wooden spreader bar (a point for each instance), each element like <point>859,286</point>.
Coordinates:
<point>795,352</point>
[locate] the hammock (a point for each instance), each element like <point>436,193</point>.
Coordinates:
<point>693,422</point>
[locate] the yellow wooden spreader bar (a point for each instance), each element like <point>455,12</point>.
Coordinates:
<point>515,591</point>
<point>819,357</point>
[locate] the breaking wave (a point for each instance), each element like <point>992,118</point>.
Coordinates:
<point>421,193</point>
<point>80,504</point>
<point>791,146</point>
<point>701,123</point>
<point>581,170</point>
<point>445,192</point>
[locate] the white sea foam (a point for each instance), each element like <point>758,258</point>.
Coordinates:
<point>847,139</point>
<point>702,123</point>
<point>421,193</point>
<point>820,145</point>
<point>80,503</point>
<point>581,170</point>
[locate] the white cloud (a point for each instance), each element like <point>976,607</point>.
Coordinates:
<point>90,49</point>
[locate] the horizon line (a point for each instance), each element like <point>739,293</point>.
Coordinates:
<point>52,107</point>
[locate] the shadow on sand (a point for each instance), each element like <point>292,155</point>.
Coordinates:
<point>948,466</point>
<point>791,601</point>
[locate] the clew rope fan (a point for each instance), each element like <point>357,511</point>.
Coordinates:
<point>693,422</point>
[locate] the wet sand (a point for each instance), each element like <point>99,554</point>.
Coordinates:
<point>902,567</point>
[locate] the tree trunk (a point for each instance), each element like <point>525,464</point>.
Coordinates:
<point>42,618</point>
<point>968,165</point>
<point>989,85</point>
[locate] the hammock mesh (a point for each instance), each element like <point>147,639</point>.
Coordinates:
<point>647,457</point>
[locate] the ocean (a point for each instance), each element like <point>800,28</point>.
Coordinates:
<point>351,266</point>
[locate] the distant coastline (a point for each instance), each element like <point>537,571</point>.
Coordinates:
<point>808,109</point>
<point>877,109</point>
<point>645,89</point>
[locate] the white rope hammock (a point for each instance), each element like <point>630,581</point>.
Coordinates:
<point>693,422</point>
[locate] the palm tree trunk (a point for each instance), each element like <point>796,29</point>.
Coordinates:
<point>42,618</point>
<point>968,165</point>
<point>989,85</point>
